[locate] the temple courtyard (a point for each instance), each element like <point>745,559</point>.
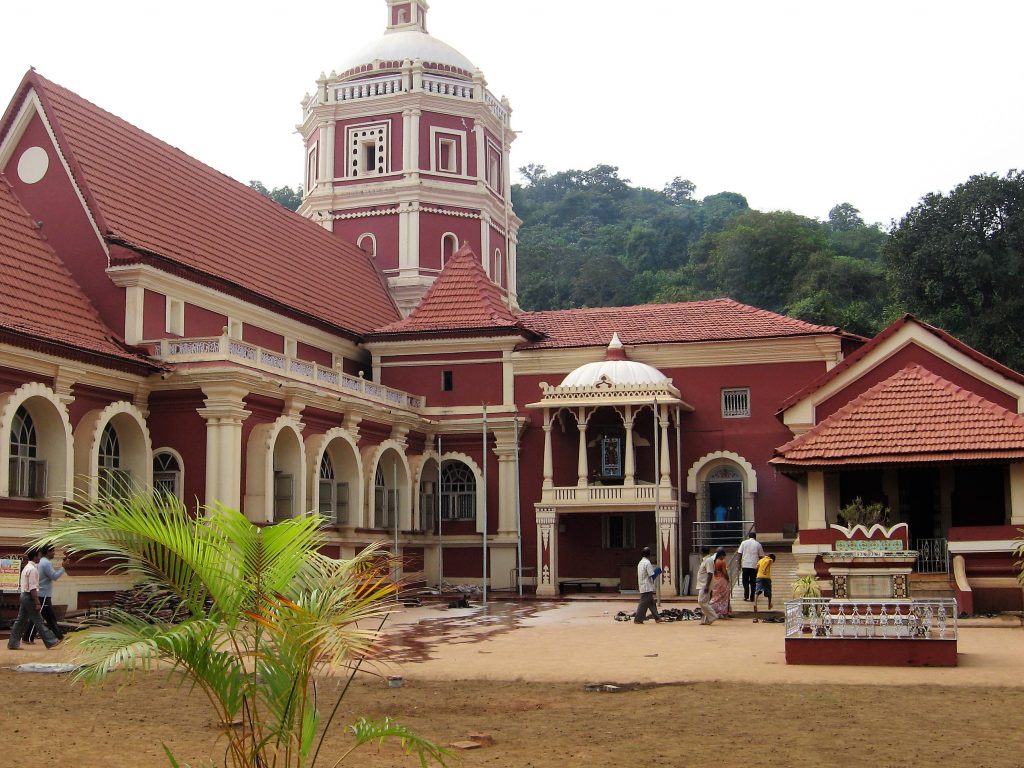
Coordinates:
<point>684,694</point>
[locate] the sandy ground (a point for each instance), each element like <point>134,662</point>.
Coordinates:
<point>691,694</point>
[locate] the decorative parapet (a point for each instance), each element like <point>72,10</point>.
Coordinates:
<point>605,391</point>
<point>225,349</point>
<point>917,619</point>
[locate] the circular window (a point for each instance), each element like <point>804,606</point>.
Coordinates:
<point>32,164</point>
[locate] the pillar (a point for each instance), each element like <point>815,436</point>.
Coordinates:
<point>664,467</point>
<point>326,169</point>
<point>549,471</point>
<point>581,458</point>
<point>668,548</point>
<point>224,414</point>
<point>547,551</point>
<point>815,501</point>
<point>505,450</point>
<point>629,467</point>
<point>1017,493</point>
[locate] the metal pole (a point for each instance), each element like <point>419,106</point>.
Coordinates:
<point>657,494</point>
<point>519,519</point>
<point>484,460</point>
<point>394,480</point>
<point>679,502</point>
<point>440,537</point>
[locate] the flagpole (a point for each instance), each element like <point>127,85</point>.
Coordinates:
<point>484,459</point>
<point>657,495</point>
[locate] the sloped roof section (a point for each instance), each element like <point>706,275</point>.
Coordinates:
<point>38,296</point>
<point>858,354</point>
<point>913,416</point>
<point>693,321</point>
<point>461,300</point>
<point>156,199</point>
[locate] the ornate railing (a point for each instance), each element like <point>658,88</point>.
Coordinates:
<point>447,86</point>
<point>932,556</point>
<point>606,494</point>
<point>725,533</point>
<point>224,348</point>
<point>916,619</point>
<point>372,86</point>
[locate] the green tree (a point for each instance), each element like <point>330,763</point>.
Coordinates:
<point>287,196</point>
<point>957,260</point>
<point>679,191</point>
<point>262,611</point>
<point>844,217</point>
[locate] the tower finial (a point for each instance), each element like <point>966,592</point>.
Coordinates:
<point>407,14</point>
<point>615,349</point>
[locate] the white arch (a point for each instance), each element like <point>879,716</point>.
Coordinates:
<point>181,465</point>
<point>259,469</point>
<point>316,446</point>
<point>55,443</point>
<point>498,264</point>
<point>373,242</point>
<point>478,475</point>
<point>132,433</point>
<point>455,245</point>
<point>371,457</point>
<point>710,460</point>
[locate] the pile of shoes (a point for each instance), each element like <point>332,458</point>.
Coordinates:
<point>623,616</point>
<point>680,614</point>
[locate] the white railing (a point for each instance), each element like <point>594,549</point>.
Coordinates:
<point>916,619</point>
<point>724,533</point>
<point>496,107</point>
<point>447,86</point>
<point>223,348</point>
<point>372,86</point>
<point>606,494</point>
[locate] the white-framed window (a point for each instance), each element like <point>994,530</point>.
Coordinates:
<point>28,472</point>
<point>449,245</point>
<point>114,482</point>
<point>166,474</point>
<point>284,494</point>
<point>447,150</point>
<point>428,505</point>
<point>618,531</point>
<point>333,502</point>
<point>368,149</point>
<point>493,175</point>
<point>496,274</point>
<point>385,502</point>
<point>312,166</point>
<point>458,492</point>
<point>368,242</point>
<point>736,403</point>
<point>174,316</point>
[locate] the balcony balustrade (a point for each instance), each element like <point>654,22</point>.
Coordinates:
<point>228,350</point>
<point>598,497</point>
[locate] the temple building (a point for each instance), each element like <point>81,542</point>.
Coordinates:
<point>165,327</point>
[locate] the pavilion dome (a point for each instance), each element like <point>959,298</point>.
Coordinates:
<point>412,44</point>
<point>616,368</point>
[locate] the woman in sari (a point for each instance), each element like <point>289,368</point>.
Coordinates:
<point>721,588</point>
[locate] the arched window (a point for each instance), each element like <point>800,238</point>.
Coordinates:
<point>497,267</point>
<point>449,245</point>
<point>333,495</point>
<point>166,474</point>
<point>385,501</point>
<point>368,242</point>
<point>114,482</point>
<point>458,492</point>
<point>28,473</point>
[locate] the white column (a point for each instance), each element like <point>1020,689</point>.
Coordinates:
<point>407,141</point>
<point>581,462</point>
<point>134,303</point>
<point>663,447</point>
<point>414,147</point>
<point>505,450</point>
<point>485,243</point>
<point>481,155</point>
<point>548,464</point>
<point>629,470</point>
<point>816,500</point>
<point>224,413</point>
<point>547,551</point>
<point>668,549</point>
<point>1017,494</point>
<point>326,169</point>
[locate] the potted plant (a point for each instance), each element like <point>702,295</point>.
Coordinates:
<point>804,587</point>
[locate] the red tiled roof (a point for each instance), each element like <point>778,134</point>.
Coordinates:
<point>860,352</point>
<point>155,198</point>
<point>38,296</point>
<point>694,321</point>
<point>913,416</point>
<point>462,299</point>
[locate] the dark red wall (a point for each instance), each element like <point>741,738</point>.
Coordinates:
<point>174,422</point>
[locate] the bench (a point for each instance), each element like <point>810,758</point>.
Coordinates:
<point>579,585</point>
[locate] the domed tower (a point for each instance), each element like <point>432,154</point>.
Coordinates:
<point>407,155</point>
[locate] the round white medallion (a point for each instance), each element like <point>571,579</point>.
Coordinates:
<point>32,164</point>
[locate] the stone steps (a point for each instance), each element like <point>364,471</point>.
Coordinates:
<point>783,576</point>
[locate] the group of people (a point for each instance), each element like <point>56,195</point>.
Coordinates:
<point>35,601</point>
<point>714,588</point>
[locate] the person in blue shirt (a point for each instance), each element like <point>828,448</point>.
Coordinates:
<point>47,575</point>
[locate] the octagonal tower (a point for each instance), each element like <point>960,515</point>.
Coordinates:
<point>407,155</point>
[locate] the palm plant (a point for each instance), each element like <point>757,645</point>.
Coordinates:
<point>260,613</point>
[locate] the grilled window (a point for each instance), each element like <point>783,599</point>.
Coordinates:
<point>736,403</point>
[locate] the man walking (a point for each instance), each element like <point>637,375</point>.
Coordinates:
<point>764,579</point>
<point>645,576</point>
<point>47,575</point>
<point>750,552</point>
<point>28,606</point>
<point>705,575</point>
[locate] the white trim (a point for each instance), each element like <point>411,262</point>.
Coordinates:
<point>444,238</point>
<point>994,545</point>
<point>373,243</point>
<point>174,316</point>
<point>259,470</point>
<point>316,447</point>
<point>60,480</point>
<point>136,457</point>
<point>181,466</point>
<point>721,457</point>
<point>460,146</point>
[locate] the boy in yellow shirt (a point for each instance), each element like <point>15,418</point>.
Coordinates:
<point>763,585</point>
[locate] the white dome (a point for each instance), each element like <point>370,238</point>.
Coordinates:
<point>615,372</point>
<point>410,44</point>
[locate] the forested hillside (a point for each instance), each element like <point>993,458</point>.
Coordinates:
<point>591,239</point>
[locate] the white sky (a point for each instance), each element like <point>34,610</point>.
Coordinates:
<point>796,105</point>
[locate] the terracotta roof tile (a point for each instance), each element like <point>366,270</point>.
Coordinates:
<point>912,416</point>
<point>154,197</point>
<point>461,299</point>
<point>694,321</point>
<point>38,296</point>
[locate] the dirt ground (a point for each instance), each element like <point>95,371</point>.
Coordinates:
<point>690,695</point>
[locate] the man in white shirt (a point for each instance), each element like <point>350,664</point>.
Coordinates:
<point>645,576</point>
<point>705,574</point>
<point>750,552</point>
<point>28,606</point>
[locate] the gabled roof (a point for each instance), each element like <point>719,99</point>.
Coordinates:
<point>913,416</point>
<point>461,301</point>
<point>169,207</point>
<point>694,321</point>
<point>39,300</point>
<point>861,352</point>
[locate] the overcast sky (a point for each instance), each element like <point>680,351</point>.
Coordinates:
<point>796,105</point>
